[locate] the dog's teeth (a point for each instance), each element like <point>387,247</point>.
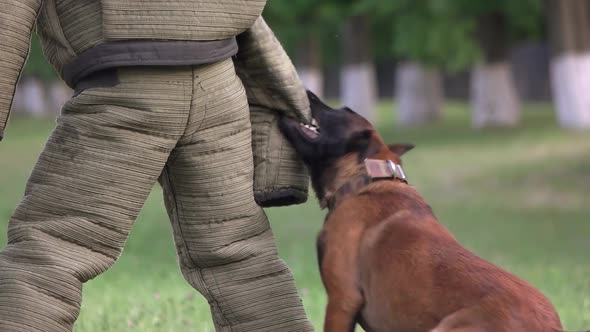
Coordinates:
<point>314,122</point>
<point>311,127</point>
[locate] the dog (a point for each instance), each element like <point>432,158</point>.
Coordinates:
<point>385,261</point>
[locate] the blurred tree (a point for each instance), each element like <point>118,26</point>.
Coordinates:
<point>569,31</point>
<point>358,81</point>
<point>39,92</point>
<point>499,24</point>
<point>37,66</point>
<point>30,93</point>
<point>427,36</point>
<point>430,35</point>
<point>303,27</point>
<point>309,63</point>
<point>314,31</point>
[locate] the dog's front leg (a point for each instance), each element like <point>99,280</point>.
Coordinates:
<point>339,270</point>
<point>341,313</point>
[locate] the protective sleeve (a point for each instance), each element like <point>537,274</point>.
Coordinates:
<point>17,19</point>
<point>274,90</point>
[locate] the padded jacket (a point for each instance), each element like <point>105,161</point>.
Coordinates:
<point>80,37</point>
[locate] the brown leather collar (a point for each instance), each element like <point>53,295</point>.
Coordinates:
<point>375,170</point>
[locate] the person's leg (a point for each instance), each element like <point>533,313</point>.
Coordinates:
<point>89,184</point>
<point>225,245</point>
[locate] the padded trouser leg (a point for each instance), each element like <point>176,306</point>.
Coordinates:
<point>224,241</point>
<point>91,180</point>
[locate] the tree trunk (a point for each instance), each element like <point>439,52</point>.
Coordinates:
<point>58,95</point>
<point>358,81</point>
<point>18,103</point>
<point>309,65</point>
<point>418,94</point>
<point>494,99</point>
<point>569,31</point>
<point>30,97</point>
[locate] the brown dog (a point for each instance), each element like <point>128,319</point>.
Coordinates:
<point>385,261</point>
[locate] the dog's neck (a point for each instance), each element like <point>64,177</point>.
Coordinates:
<point>369,171</point>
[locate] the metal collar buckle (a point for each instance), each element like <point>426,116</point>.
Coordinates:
<point>384,169</point>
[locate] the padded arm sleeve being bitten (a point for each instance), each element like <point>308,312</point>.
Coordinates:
<point>273,88</point>
<point>17,19</point>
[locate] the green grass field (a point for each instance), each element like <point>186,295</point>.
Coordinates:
<point>520,198</point>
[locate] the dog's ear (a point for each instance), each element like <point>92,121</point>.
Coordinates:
<point>401,148</point>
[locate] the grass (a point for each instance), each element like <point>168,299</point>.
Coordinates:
<point>519,198</point>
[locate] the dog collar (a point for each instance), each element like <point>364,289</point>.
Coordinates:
<point>375,170</point>
<point>384,169</point>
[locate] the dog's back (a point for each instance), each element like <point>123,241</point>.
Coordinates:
<point>432,280</point>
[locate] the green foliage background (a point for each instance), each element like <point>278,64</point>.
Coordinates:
<point>433,32</point>
<point>37,66</point>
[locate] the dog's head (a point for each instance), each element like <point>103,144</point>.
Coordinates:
<point>335,147</point>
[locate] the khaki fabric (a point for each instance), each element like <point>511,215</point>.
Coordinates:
<point>69,28</point>
<point>280,177</point>
<point>187,127</point>
<point>274,89</point>
<point>269,75</point>
<point>17,19</point>
<point>179,19</point>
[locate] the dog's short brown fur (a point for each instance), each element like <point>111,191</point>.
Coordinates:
<point>385,260</point>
